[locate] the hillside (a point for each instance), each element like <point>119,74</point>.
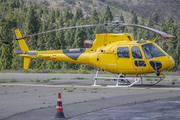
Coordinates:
<point>144,7</point>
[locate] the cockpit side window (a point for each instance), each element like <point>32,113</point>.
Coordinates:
<point>123,52</point>
<point>151,51</point>
<point>136,52</point>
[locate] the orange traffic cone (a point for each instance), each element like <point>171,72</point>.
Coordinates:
<point>59,108</point>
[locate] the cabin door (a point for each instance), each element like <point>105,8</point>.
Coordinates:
<point>138,60</point>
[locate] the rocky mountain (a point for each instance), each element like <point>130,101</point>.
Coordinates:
<point>140,7</point>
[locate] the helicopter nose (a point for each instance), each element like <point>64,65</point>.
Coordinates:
<point>167,63</point>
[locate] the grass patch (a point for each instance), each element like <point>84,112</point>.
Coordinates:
<point>32,80</point>
<point>14,81</point>
<point>148,88</point>
<point>95,88</point>
<point>37,80</point>
<point>149,79</point>
<point>69,90</point>
<point>93,91</point>
<point>80,78</point>
<point>3,81</point>
<point>103,98</point>
<point>56,78</point>
<point>46,80</point>
<point>151,82</point>
<point>85,72</point>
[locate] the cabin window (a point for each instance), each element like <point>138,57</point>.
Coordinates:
<point>123,52</point>
<point>139,63</point>
<point>151,51</point>
<point>136,52</point>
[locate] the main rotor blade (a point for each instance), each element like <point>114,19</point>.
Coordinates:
<point>162,34</point>
<point>61,29</point>
<point>116,23</point>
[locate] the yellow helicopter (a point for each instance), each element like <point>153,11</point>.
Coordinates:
<point>113,52</point>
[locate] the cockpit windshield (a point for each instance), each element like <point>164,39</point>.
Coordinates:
<point>151,51</point>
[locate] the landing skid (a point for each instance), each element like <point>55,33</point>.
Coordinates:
<point>126,81</point>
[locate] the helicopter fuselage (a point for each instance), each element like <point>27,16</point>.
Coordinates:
<point>116,53</point>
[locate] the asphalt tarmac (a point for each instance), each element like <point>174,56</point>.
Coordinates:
<point>27,96</point>
<point>165,109</point>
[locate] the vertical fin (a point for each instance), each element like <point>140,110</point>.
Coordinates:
<point>21,42</point>
<point>24,48</point>
<point>27,61</point>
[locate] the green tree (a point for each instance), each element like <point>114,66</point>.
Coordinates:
<point>16,60</point>
<point>52,16</point>
<point>71,15</point>
<point>78,14</point>
<point>150,23</point>
<point>45,11</point>
<point>132,11</point>
<point>107,16</point>
<point>121,18</point>
<point>60,39</point>
<point>61,22</point>
<point>134,20</point>
<point>69,37</point>
<point>32,25</point>
<point>169,21</point>
<point>5,50</point>
<point>155,17</point>
<point>94,17</point>
<point>57,14</point>
<point>80,36</point>
<point>66,15</point>
<point>177,61</point>
<point>5,60</point>
<point>40,12</point>
<point>141,31</point>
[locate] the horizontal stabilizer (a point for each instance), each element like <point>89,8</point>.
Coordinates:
<point>25,52</point>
